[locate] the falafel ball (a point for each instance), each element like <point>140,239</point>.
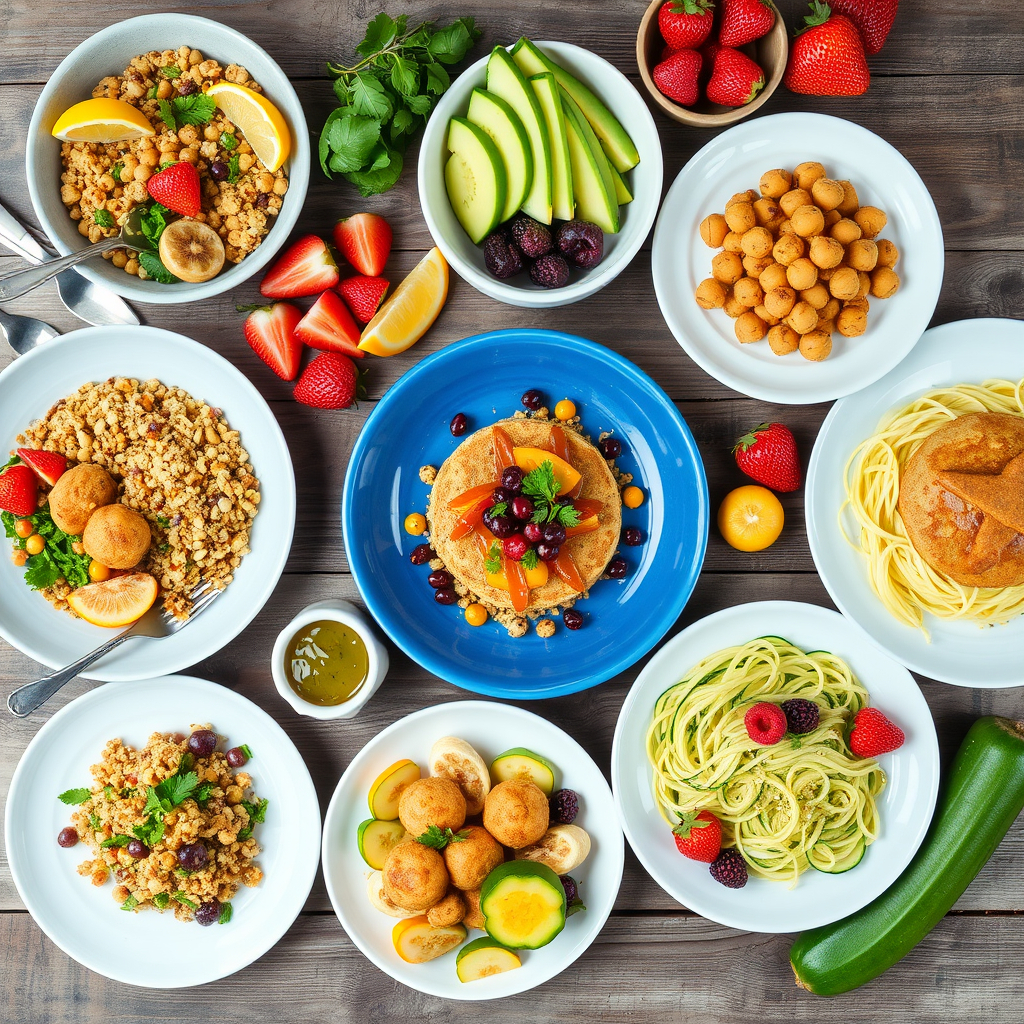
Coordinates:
<point>516,813</point>
<point>449,911</point>
<point>431,801</point>
<point>472,859</point>
<point>78,493</point>
<point>116,536</point>
<point>414,876</point>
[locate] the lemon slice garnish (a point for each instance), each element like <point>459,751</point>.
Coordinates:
<point>103,121</point>
<point>258,119</point>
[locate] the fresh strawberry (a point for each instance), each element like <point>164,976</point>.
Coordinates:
<point>873,19</point>
<point>677,77</point>
<point>270,331</point>
<point>365,241</point>
<point>698,835</point>
<point>306,268</point>
<point>765,723</point>
<point>667,51</point>
<point>735,78</point>
<point>768,455</point>
<point>685,24</point>
<point>827,58</point>
<point>743,21</point>
<point>363,295</point>
<point>331,381</point>
<point>18,489</point>
<point>874,734</point>
<point>48,466</point>
<point>177,188</point>
<point>329,325</point>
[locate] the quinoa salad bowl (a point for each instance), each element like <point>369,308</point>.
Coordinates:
<point>204,470</point>
<point>82,191</point>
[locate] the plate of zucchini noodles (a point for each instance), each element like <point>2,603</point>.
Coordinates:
<point>816,830</point>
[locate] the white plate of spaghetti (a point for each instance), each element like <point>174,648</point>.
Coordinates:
<point>821,831</point>
<point>969,636</point>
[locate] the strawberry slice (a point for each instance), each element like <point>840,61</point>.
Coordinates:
<point>18,490</point>
<point>177,188</point>
<point>306,268</point>
<point>270,331</point>
<point>503,450</point>
<point>329,326</point>
<point>565,568</point>
<point>48,466</point>
<point>364,295</point>
<point>470,497</point>
<point>365,241</point>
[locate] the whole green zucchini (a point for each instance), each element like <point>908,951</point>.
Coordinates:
<point>983,796</point>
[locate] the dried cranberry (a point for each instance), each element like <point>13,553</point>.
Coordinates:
<point>512,479</point>
<point>446,595</point>
<point>501,495</point>
<point>186,86</point>
<point>533,399</point>
<point>533,532</point>
<point>421,554</point>
<point>547,552</point>
<point>572,618</point>
<point>610,448</point>
<point>617,568</point>
<point>554,533</point>
<point>440,579</point>
<point>458,424</point>
<point>219,171</point>
<point>208,913</point>
<point>522,508</point>
<point>633,536</point>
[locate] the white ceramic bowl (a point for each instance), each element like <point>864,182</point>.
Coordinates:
<point>108,53</point>
<point>636,217</point>
<point>377,657</point>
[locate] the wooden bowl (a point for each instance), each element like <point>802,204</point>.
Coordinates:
<point>771,53</point>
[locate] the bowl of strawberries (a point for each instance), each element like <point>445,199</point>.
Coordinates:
<point>710,64</point>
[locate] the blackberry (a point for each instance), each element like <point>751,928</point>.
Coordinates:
<point>500,257</point>
<point>801,715</point>
<point>564,806</point>
<point>532,237</point>
<point>729,869</point>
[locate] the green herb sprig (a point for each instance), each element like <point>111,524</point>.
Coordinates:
<point>75,796</point>
<point>387,96</point>
<point>195,109</point>
<point>492,561</point>
<point>543,489</point>
<point>104,218</point>
<point>57,560</point>
<point>438,838</point>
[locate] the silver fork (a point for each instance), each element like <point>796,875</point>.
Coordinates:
<point>156,623</point>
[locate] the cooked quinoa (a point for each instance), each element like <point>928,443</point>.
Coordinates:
<point>218,815</point>
<point>241,212</point>
<point>175,461</point>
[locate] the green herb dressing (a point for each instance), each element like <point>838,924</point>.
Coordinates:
<point>326,663</point>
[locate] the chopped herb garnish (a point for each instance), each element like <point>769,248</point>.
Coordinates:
<point>229,141</point>
<point>163,548</point>
<point>171,71</point>
<point>541,486</point>
<point>225,913</point>
<point>492,561</point>
<point>94,822</point>
<point>244,748</point>
<point>499,509</point>
<point>163,521</point>
<point>75,796</point>
<point>437,838</point>
<point>257,812</point>
<point>202,794</point>
<point>150,832</point>
<point>160,900</point>
<point>130,904</point>
<point>116,840</point>
<point>109,792</point>
<point>195,109</point>
<point>186,762</point>
<point>233,169</point>
<point>128,791</point>
<point>115,171</point>
<point>57,560</point>
<point>151,94</point>
<point>154,266</point>
<point>152,223</point>
<point>184,900</point>
<point>104,218</point>
<point>530,559</point>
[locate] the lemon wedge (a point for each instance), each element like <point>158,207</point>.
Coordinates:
<point>258,119</point>
<point>103,121</point>
<point>410,311</point>
<point>115,602</point>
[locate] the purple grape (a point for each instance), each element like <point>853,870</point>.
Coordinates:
<point>522,508</point>
<point>137,849</point>
<point>572,618</point>
<point>533,399</point>
<point>440,579</point>
<point>610,448</point>
<point>67,837</point>
<point>445,596</point>
<point>512,479</point>
<point>236,757</point>
<point>547,552</point>
<point>458,424</point>
<point>193,856</point>
<point>202,742</point>
<point>208,913</point>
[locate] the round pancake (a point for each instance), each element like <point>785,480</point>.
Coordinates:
<point>472,464</point>
<point>944,528</point>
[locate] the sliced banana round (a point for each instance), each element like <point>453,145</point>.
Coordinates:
<point>563,848</point>
<point>375,890</point>
<point>455,759</point>
<point>191,250</point>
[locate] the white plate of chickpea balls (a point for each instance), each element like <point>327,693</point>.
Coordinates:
<point>798,258</point>
<point>484,731</point>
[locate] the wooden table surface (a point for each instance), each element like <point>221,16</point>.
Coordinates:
<point>948,92</point>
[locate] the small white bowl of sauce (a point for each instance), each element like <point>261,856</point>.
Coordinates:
<point>327,662</point>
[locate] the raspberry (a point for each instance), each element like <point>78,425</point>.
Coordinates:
<point>801,715</point>
<point>564,806</point>
<point>729,869</point>
<point>766,723</point>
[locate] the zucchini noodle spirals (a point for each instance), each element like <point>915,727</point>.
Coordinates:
<point>805,801</point>
<point>903,581</point>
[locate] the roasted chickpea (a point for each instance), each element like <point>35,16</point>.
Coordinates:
<point>807,220</point>
<point>773,277</point>
<point>802,274</point>
<point>727,267</point>
<point>787,249</point>
<point>757,242</point>
<point>733,307</point>
<point>862,254</point>
<point>748,291</point>
<point>825,252</point>
<point>817,296</point>
<point>802,318</point>
<point>776,183</point>
<point>858,304</point>
<point>852,321</point>
<point>845,231</point>
<point>750,327</point>
<point>740,217</point>
<point>828,326</point>
<point>755,266</point>
<point>888,254</point>
<point>711,294</point>
<point>884,282</point>
<point>871,220</point>
<point>733,242</point>
<point>783,340</point>
<point>816,345</point>
<point>807,173</point>
<point>844,283</point>
<point>23,528</point>
<point>763,313</point>
<point>34,544</point>
<point>767,212</point>
<point>780,301</point>
<point>713,230</point>
<point>848,207</point>
<point>794,199</point>
<point>827,194</point>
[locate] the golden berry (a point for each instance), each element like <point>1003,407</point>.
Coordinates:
<point>35,544</point>
<point>476,614</point>
<point>632,497</point>
<point>565,410</point>
<point>98,572</point>
<point>415,524</point>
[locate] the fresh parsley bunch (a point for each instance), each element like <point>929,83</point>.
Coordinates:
<point>542,488</point>
<point>386,97</point>
<point>56,560</point>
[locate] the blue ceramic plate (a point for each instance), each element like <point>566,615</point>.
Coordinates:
<point>484,378</point>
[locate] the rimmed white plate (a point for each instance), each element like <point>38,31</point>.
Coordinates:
<point>734,161</point>
<point>905,805</point>
<point>148,948</point>
<point>32,384</point>
<point>491,728</point>
<point>963,653</point>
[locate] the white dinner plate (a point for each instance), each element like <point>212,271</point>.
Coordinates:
<point>491,728</point>
<point>34,382</point>
<point>963,653</point>
<point>905,805</point>
<point>734,161</point>
<point>148,948</point>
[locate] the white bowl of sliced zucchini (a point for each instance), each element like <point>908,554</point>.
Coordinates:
<point>554,132</point>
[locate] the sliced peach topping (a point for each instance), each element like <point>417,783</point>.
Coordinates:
<point>503,450</point>
<point>529,459</point>
<point>588,525</point>
<point>471,497</point>
<point>471,517</point>
<point>565,569</point>
<point>560,446</point>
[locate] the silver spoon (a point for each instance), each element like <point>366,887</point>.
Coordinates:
<point>19,282</point>
<point>24,333</point>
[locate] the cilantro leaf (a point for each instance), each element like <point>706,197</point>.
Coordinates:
<point>153,265</point>
<point>228,141</point>
<point>116,840</point>
<point>257,813</point>
<point>568,516</point>
<point>195,109</point>
<point>380,178</point>
<point>404,75</point>
<point>530,559</point>
<point>130,904</point>
<point>351,138</point>
<point>233,168</point>
<point>75,796</point>
<point>167,114</point>
<point>202,793</point>
<point>104,218</point>
<point>160,900</point>
<point>115,171</point>
<point>492,561</point>
<point>150,832</point>
<point>225,913</point>
<point>540,483</point>
<point>499,509</point>
<point>171,71</point>
<point>179,787</point>
<point>152,222</point>
<point>437,838</point>
<point>380,33</point>
<point>41,571</point>
<point>184,900</point>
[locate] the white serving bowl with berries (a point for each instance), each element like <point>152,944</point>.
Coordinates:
<point>636,217</point>
<point>109,52</point>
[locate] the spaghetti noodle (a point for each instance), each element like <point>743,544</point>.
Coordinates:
<point>805,801</point>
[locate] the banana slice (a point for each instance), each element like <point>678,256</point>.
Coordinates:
<point>191,250</point>
<point>452,758</point>
<point>375,890</point>
<point>562,848</point>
